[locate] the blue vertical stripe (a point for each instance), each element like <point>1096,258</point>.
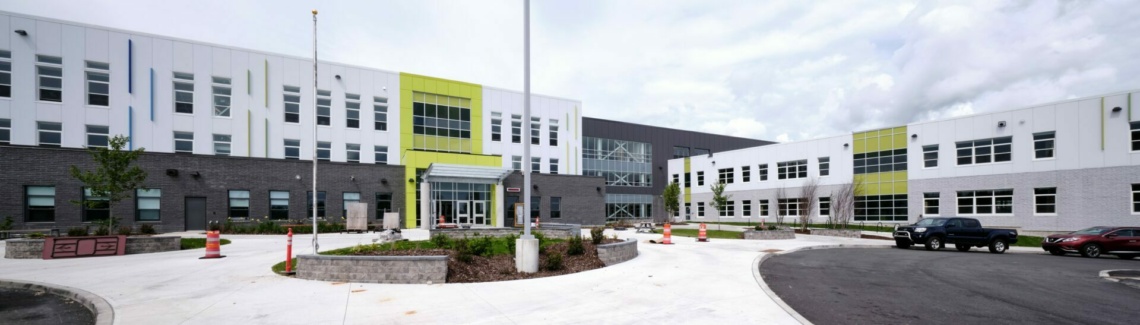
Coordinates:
<point>130,66</point>
<point>130,128</point>
<point>152,94</point>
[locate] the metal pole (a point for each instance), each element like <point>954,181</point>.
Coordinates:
<point>526,119</point>
<point>316,246</point>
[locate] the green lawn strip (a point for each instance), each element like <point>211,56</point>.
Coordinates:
<point>712,233</point>
<point>1029,241</point>
<point>195,243</point>
<point>279,268</point>
<point>817,225</point>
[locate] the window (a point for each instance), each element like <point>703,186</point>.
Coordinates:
<point>620,162</point>
<point>352,111</point>
<point>516,128</point>
<point>555,207</point>
<point>553,132</point>
<point>352,152</point>
<point>792,169</point>
<point>324,107</point>
<point>824,206</point>
<point>700,178</point>
<point>699,151</point>
<point>680,152</point>
<point>1044,144</point>
<point>292,149</point>
<point>381,154</point>
<point>184,93</point>
<point>383,204</point>
<point>40,204</point>
<point>700,209</point>
<point>95,208</point>
<point>292,104</point>
<point>324,151</point>
<point>148,204</point>
<point>97,136</point>
<point>930,156</point>
<point>763,171</point>
<point>516,162</point>
<point>349,197</point>
<point>688,180</point>
<point>1135,135</point>
<point>239,204</point>
<point>1135,198</point>
<point>554,166</point>
<point>688,209</point>
<point>789,207</point>
<point>5,73</point>
<point>496,126</point>
<point>746,173</point>
<point>50,72</point>
<point>985,151</point>
<point>725,175</point>
<point>278,205</point>
<point>535,207</point>
<point>746,208</point>
<point>535,129</point>
<point>676,179</point>
<point>880,161</point>
<point>98,83</point>
<point>49,134</point>
<point>222,92</point>
<point>1045,201</point>
<point>763,208</point>
<point>985,202</point>
<point>5,131</point>
<point>824,166</point>
<point>222,144</point>
<point>535,164</point>
<point>380,113</point>
<point>183,142</point>
<point>930,203</point>
<point>729,209</point>
<point>881,208</point>
<point>320,204</point>
<point>442,116</point>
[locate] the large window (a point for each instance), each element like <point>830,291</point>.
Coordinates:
<point>380,113</point>
<point>239,204</point>
<point>554,165</point>
<point>320,204</point>
<point>352,152</point>
<point>98,83</point>
<point>97,136</point>
<point>985,202</point>
<point>279,205</point>
<point>824,166</point>
<point>222,90</point>
<point>1135,198</point>
<point>95,208</point>
<point>688,180</point>
<point>1045,201</point>
<point>536,164</point>
<point>762,170</point>
<point>746,174</point>
<point>930,156</point>
<point>40,203</point>
<point>5,131</point>
<point>1044,145</point>
<point>381,154</point>
<point>985,151</point>
<point>700,209</point>
<point>880,161</point>
<point>789,207</point>
<point>729,209</point>
<point>792,169</point>
<point>516,128</point>
<point>346,198</point>
<point>621,163</point>
<point>930,203</point>
<point>184,93</point>
<point>352,111</point>
<point>824,206</point>
<point>222,144</point>
<point>292,149</point>
<point>1135,135</point>
<point>881,208</point>
<point>5,73</point>
<point>555,207</point>
<point>746,208</point>
<point>724,175</point>
<point>49,134</point>
<point>535,130</point>
<point>292,104</point>
<point>700,178</point>
<point>516,163</point>
<point>183,142</point>
<point>324,151</point>
<point>496,126</point>
<point>763,207</point>
<point>680,152</point>
<point>383,204</point>
<point>553,132</point>
<point>49,69</point>
<point>148,204</point>
<point>324,107</point>
<point>442,116</point>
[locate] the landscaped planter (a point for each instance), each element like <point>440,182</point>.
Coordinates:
<point>849,233</point>
<point>615,253</point>
<point>549,232</point>
<point>34,248</point>
<point>770,234</point>
<point>373,269</point>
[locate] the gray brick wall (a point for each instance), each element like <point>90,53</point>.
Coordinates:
<point>501,232</point>
<point>373,269</point>
<point>582,202</point>
<point>615,253</point>
<point>770,234</point>
<point>24,248</point>
<point>156,244</point>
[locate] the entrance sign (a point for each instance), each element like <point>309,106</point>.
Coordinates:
<point>514,189</point>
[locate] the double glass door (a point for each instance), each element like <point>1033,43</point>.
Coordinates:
<point>463,212</point>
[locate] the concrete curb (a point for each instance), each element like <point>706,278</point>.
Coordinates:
<point>759,260</point>
<point>1129,277</point>
<point>104,314</point>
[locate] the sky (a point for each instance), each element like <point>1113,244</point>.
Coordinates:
<point>772,70</point>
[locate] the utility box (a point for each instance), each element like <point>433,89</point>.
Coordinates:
<point>357,219</point>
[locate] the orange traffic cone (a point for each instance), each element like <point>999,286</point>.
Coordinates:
<point>213,245</point>
<point>668,235</point>
<point>702,236</point>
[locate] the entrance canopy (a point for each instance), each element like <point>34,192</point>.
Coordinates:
<point>465,174</point>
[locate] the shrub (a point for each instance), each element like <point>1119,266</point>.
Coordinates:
<point>597,235</point>
<point>76,232</point>
<point>7,224</point>
<point>481,246</point>
<point>759,228</point>
<point>36,235</point>
<point>542,240</point>
<point>462,250</point>
<point>511,242</point>
<point>441,241</point>
<point>575,246</point>
<point>214,226</point>
<point>102,231</point>
<point>125,230</point>
<point>147,229</point>
<point>553,261</point>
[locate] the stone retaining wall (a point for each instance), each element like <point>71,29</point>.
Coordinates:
<point>615,253</point>
<point>143,245</point>
<point>373,269</point>
<point>849,233</point>
<point>770,234</point>
<point>559,232</point>
<point>24,248</point>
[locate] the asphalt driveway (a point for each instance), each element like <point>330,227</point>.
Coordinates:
<point>894,286</point>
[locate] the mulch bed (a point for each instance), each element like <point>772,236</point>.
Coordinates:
<point>502,267</point>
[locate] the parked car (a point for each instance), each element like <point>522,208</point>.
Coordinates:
<point>964,233</point>
<point>1124,242</point>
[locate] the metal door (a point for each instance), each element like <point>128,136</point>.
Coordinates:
<point>480,212</point>
<point>464,213</point>
<point>195,213</point>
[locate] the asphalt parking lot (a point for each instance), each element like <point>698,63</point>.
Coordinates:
<point>20,306</point>
<point>895,286</point>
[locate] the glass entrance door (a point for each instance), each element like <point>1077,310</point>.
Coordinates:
<point>464,212</point>
<point>480,212</point>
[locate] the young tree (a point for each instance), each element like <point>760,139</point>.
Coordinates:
<point>781,194</point>
<point>114,178</point>
<point>808,201</point>
<point>672,198</point>
<point>719,200</point>
<point>843,203</point>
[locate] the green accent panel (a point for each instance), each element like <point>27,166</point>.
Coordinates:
<point>266,83</point>
<point>410,83</point>
<point>688,188</point>
<point>879,140</point>
<point>1130,107</point>
<point>413,160</point>
<point>431,142</point>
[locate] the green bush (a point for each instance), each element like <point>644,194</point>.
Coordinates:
<point>125,230</point>
<point>7,224</point>
<point>36,235</point>
<point>597,235</point>
<point>481,246</point>
<point>553,261</point>
<point>542,240</point>
<point>76,232</point>
<point>147,229</point>
<point>441,241</point>
<point>213,225</point>
<point>510,242</point>
<point>575,246</point>
<point>102,231</point>
<point>462,250</point>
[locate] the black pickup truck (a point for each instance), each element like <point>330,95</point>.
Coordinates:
<point>964,233</point>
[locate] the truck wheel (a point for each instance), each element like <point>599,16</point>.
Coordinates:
<point>934,243</point>
<point>962,248</point>
<point>902,244</point>
<point>998,246</point>
<point>1090,250</point>
<point>1057,251</point>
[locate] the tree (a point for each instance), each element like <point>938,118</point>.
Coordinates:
<point>672,198</point>
<point>843,203</point>
<point>114,179</point>
<point>808,201</point>
<point>719,200</point>
<point>781,194</point>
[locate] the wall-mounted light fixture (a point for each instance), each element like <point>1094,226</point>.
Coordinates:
<point>172,172</point>
<point>384,181</point>
<point>660,168</point>
<point>914,136</point>
<point>1117,109</point>
<point>535,186</point>
<point>22,32</point>
<point>845,145</point>
<point>598,188</point>
<point>352,178</point>
<point>1001,124</point>
<point>714,162</point>
<point>196,175</point>
<point>338,77</point>
<point>412,180</point>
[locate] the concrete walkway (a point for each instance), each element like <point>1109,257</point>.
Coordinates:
<point>688,282</point>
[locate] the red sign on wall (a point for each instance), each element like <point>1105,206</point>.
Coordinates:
<point>514,189</point>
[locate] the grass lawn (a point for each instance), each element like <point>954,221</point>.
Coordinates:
<point>194,243</point>
<point>1029,241</point>
<point>712,233</point>
<point>280,267</point>
<point>814,225</point>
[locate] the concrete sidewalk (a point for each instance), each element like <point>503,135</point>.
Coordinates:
<point>688,282</point>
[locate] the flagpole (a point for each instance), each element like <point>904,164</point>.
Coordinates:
<point>316,246</point>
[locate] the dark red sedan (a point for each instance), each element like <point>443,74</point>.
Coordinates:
<point>1124,242</point>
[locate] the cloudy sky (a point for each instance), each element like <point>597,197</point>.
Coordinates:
<point>774,70</point>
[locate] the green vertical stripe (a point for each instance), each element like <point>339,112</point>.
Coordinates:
<point>1130,107</point>
<point>266,137</point>
<point>248,82</point>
